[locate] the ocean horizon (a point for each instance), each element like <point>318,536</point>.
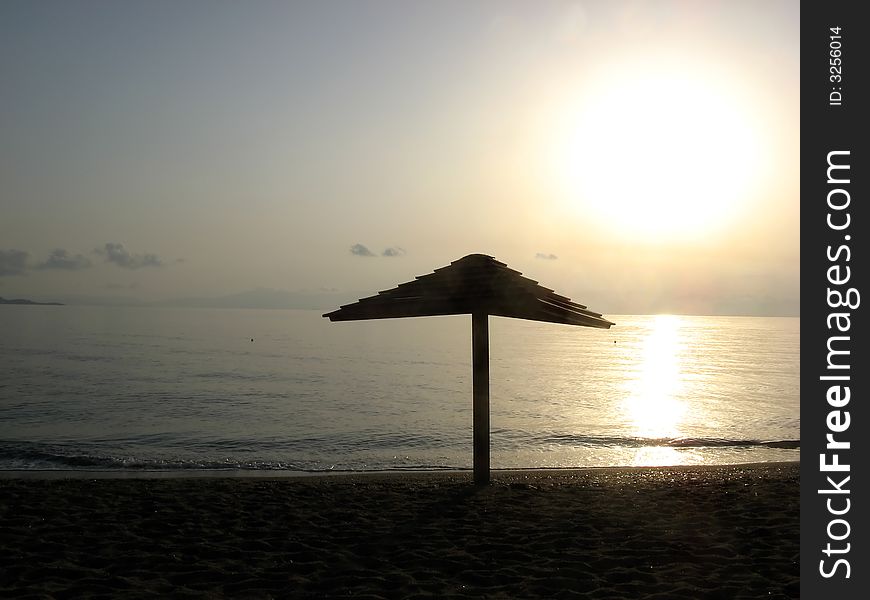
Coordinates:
<point>182,389</point>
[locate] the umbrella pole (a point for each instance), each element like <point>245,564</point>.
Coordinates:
<point>480,392</point>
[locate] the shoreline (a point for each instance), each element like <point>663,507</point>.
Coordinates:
<point>281,474</point>
<point>601,533</point>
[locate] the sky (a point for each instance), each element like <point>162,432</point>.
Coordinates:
<point>639,157</point>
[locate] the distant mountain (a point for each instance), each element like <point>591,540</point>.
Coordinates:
<point>258,298</point>
<point>266,298</point>
<point>28,302</point>
<point>86,300</point>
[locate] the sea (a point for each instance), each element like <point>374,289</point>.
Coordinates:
<point>178,390</point>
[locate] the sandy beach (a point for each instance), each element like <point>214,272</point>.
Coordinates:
<point>677,532</point>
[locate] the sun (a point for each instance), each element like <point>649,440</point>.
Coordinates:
<point>660,155</point>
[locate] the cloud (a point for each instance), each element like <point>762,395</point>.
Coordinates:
<point>543,256</point>
<point>360,250</point>
<point>59,259</point>
<point>117,254</point>
<point>397,251</point>
<point>13,262</point>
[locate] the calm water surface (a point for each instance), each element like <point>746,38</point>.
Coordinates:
<point>159,388</point>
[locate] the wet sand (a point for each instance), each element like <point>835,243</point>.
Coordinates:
<point>674,532</point>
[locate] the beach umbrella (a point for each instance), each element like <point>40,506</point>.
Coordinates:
<point>481,286</point>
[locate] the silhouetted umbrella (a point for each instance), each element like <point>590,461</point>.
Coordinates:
<point>479,285</point>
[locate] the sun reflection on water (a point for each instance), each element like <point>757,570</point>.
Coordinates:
<point>652,404</point>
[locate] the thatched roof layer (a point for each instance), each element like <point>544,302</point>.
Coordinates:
<point>474,283</point>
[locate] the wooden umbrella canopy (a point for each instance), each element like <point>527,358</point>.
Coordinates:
<point>478,285</point>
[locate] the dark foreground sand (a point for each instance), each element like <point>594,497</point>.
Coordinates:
<point>689,532</point>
